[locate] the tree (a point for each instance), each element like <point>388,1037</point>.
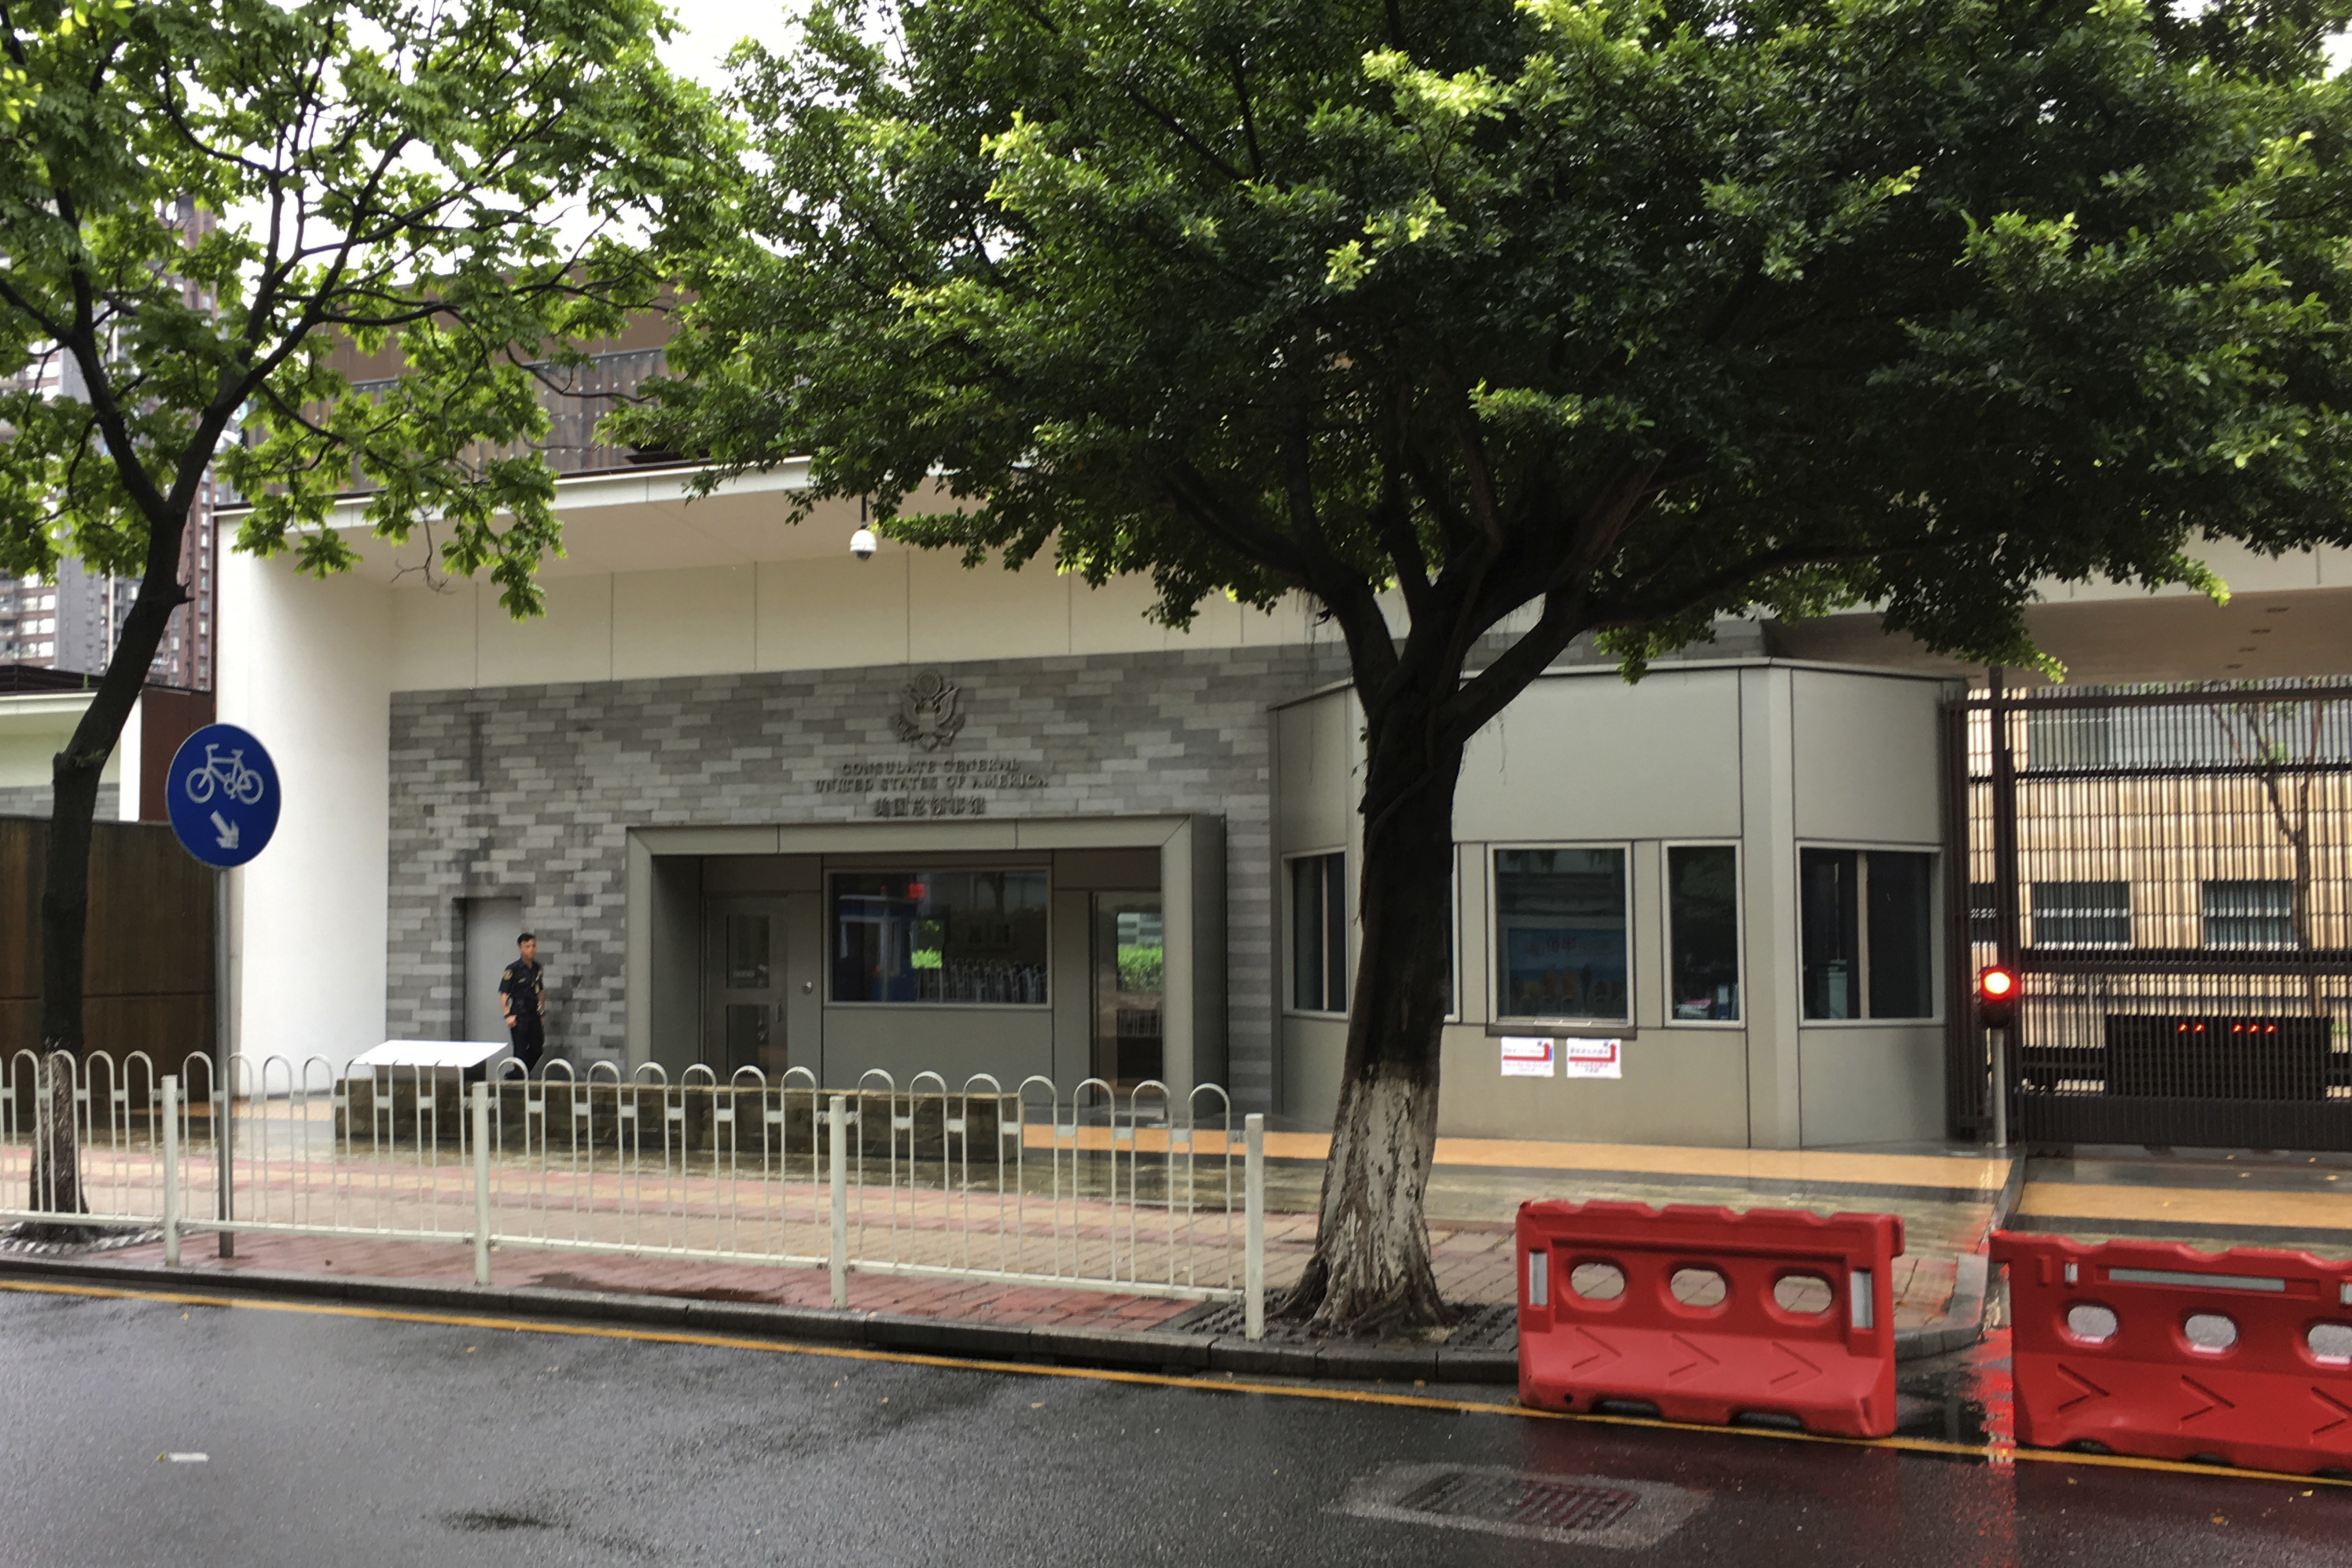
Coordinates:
<point>202,203</point>
<point>1631,316</point>
<point>2286,743</point>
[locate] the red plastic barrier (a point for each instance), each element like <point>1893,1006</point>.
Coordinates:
<point>2107,1350</point>
<point>1821,1351</point>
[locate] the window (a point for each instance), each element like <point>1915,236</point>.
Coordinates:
<point>939,936</point>
<point>1703,929</point>
<point>1984,914</point>
<point>1866,930</point>
<point>1559,934</point>
<point>2082,914</point>
<point>1318,933</point>
<point>2249,914</point>
<point>2070,737</point>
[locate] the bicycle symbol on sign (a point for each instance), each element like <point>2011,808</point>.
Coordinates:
<point>228,774</point>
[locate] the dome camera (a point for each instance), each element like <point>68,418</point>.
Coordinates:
<point>861,544</point>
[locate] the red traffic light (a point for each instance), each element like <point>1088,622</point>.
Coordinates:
<point>1996,996</point>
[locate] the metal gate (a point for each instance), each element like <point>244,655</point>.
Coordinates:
<point>2165,867</point>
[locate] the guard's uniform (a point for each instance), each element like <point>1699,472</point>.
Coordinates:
<point>522,992</point>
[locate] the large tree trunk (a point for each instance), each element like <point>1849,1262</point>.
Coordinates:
<point>1370,1271</point>
<point>55,1187</point>
<point>65,885</point>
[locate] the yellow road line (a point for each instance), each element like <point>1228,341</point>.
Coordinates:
<point>1990,1453</point>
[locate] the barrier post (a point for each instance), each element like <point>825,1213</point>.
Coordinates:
<point>1253,1235</point>
<point>481,1184</point>
<point>836,1118</point>
<point>171,1170</point>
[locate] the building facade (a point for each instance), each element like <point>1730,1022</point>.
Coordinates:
<point>767,806</point>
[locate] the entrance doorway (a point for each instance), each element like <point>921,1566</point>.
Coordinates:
<point>491,927</point>
<point>743,1021</point>
<point>1130,988</point>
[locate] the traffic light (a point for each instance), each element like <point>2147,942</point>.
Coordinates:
<point>1996,996</point>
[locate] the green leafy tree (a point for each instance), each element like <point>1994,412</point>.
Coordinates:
<point>203,203</point>
<point>1625,316</point>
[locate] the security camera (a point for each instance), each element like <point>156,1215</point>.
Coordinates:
<point>861,544</point>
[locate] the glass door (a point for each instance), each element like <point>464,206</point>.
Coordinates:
<point>743,1025</point>
<point>1130,989</point>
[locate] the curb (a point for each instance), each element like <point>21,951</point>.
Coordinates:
<point>1128,1350</point>
<point>1965,1323</point>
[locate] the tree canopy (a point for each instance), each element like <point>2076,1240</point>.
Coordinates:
<point>210,211</point>
<point>1622,315</point>
<point>1651,310</point>
<point>203,203</point>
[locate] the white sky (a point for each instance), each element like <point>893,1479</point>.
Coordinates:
<point>708,28</point>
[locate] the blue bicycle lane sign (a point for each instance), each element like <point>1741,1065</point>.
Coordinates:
<point>222,790</point>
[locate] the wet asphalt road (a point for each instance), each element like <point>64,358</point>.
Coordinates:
<point>350,1440</point>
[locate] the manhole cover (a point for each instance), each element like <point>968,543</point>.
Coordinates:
<point>1587,1510</point>
<point>1511,1498</point>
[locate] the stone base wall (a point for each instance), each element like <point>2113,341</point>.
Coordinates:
<point>530,793</point>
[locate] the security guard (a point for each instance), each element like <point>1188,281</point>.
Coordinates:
<point>522,997</point>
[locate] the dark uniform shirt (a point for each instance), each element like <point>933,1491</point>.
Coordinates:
<point>522,992</point>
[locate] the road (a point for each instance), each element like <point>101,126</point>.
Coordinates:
<point>335,1436</point>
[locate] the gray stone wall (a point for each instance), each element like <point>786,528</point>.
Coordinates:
<point>529,792</point>
<point>33,800</point>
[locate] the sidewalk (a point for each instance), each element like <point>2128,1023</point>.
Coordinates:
<point>2209,1200</point>
<point>1946,1198</point>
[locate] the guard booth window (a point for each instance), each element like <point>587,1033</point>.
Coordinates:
<point>1866,932</point>
<point>1318,933</point>
<point>1559,934</point>
<point>1703,906</point>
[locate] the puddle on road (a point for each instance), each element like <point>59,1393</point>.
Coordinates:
<point>1962,1397</point>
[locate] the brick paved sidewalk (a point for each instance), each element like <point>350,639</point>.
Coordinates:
<point>1946,1205</point>
<point>1473,1264</point>
<point>975,1301</point>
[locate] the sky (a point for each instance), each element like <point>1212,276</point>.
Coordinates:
<point>708,28</point>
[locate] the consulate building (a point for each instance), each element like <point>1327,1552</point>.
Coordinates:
<point>767,804</point>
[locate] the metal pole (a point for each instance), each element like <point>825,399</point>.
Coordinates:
<point>171,1170</point>
<point>836,1118</point>
<point>1254,1236</point>
<point>2000,1038</point>
<point>225,1119</point>
<point>481,1184</point>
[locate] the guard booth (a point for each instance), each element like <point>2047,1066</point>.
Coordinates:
<point>2167,870</point>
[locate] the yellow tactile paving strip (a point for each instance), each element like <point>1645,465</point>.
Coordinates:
<point>1961,1173</point>
<point>2187,1206</point>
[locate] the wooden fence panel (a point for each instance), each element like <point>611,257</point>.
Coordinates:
<point>147,970</point>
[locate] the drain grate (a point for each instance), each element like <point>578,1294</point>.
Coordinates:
<point>1509,1499</point>
<point>1582,1510</point>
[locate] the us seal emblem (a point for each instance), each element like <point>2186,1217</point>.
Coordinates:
<point>928,711</point>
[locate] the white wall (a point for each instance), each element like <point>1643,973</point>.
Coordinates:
<point>817,613</point>
<point>34,727</point>
<point>305,665</point>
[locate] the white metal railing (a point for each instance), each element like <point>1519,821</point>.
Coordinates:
<point>1143,1194</point>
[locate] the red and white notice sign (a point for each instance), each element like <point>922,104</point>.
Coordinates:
<point>1595,1058</point>
<point>1528,1056</point>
